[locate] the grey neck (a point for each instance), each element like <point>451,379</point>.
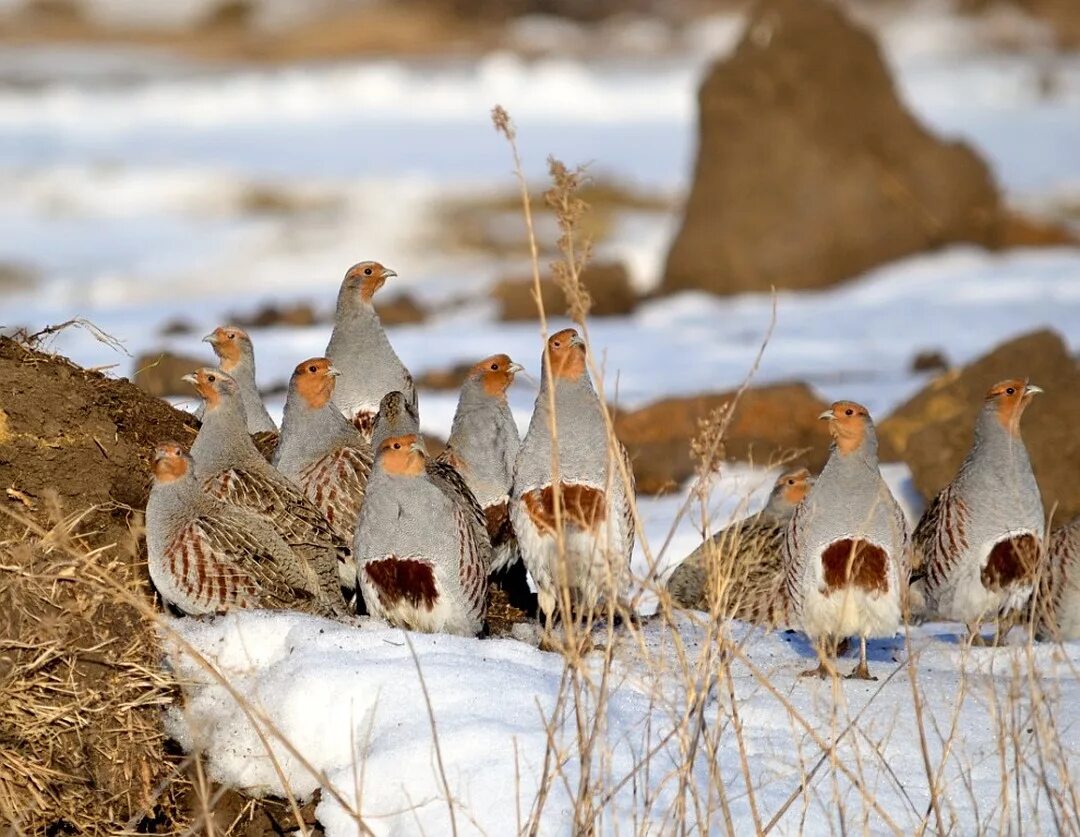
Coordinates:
<point>485,437</point>
<point>308,433</point>
<point>582,439</point>
<point>223,439</point>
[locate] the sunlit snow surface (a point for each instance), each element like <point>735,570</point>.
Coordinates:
<point>351,704</point>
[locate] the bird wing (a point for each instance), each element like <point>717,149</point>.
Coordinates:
<point>336,484</point>
<point>451,483</point>
<point>940,537</point>
<point>627,494</point>
<point>794,560</point>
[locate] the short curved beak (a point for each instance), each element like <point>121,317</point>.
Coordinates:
<point>514,368</point>
<point>388,273</point>
<point>190,378</point>
<point>827,416</point>
<point>211,338</point>
<point>577,340</point>
<point>333,371</point>
<point>1031,389</point>
<point>419,447</point>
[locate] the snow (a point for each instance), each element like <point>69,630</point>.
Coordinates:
<point>351,703</point>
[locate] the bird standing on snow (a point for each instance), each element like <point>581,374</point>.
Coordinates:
<point>483,446</point>
<point>1058,608</point>
<point>744,561</point>
<point>847,550</point>
<point>594,506</point>
<point>230,467</point>
<point>323,452</point>
<point>421,546</point>
<point>236,356</point>
<point>979,542</point>
<point>206,556</point>
<point>360,349</point>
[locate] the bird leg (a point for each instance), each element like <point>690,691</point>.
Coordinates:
<point>824,668</point>
<point>862,670</point>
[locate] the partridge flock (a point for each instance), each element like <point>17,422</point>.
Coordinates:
<point>352,514</point>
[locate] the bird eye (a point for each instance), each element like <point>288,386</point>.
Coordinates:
<point>397,445</point>
<point>494,367</point>
<point>211,378</point>
<point>231,335</point>
<point>1010,391</point>
<point>556,344</point>
<point>312,369</point>
<point>367,271</point>
<point>849,412</point>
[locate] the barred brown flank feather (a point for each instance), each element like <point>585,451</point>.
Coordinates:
<point>364,421</point>
<point>582,506</point>
<point>1012,561</point>
<point>853,562</point>
<point>940,537</point>
<point>403,579</point>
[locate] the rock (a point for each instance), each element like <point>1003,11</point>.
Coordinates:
<point>810,170</point>
<point>402,309</point>
<point>176,327</point>
<point>298,315</point>
<point>770,422</point>
<point>159,373</point>
<point>929,360</point>
<point>451,378</point>
<point>608,284</point>
<point>932,432</point>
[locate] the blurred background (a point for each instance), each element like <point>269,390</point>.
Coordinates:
<point>905,174</point>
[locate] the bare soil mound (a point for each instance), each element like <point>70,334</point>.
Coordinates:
<point>810,170</point>
<point>81,687</point>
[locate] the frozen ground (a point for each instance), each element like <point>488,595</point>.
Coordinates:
<point>351,704</point>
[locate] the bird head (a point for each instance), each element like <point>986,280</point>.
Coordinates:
<point>794,486</point>
<point>366,278</point>
<point>1008,399</point>
<point>230,344</point>
<point>848,424</point>
<point>567,352</point>
<point>496,373</point>
<point>169,462</point>
<point>314,381</point>
<point>403,455</point>
<point>212,385</point>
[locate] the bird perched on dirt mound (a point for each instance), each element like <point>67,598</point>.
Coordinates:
<point>421,546</point>
<point>978,546</point>
<point>236,356</point>
<point>229,467</point>
<point>847,550</point>
<point>360,349</point>
<point>743,564</point>
<point>206,556</point>
<point>323,452</point>
<point>1058,608</point>
<point>584,494</point>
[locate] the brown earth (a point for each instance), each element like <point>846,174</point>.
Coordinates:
<point>296,315</point>
<point>451,378</point>
<point>79,662</point>
<point>159,373</point>
<point>810,170</point>
<point>771,424</point>
<point>403,309</point>
<point>608,284</point>
<point>933,431</point>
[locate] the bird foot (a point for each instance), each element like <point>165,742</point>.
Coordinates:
<point>822,671</point>
<point>860,672</point>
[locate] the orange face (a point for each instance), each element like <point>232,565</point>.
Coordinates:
<point>403,455</point>
<point>314,380</point>
<point>1010,398</point>
<point>794,485</point>
<point>367,277</point>
<point>226,342</point>
<point>208,383</point>
<point>497,372</point>
<point>847,423</point>
<point>169,462</point>
<point>567,352</point>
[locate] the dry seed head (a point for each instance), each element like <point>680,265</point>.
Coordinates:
<point>707,447</point>
<point>503,123</point>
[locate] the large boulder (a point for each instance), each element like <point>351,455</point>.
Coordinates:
<point>810,170</point>
<point>771,424</point>
<point>933,431</point>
